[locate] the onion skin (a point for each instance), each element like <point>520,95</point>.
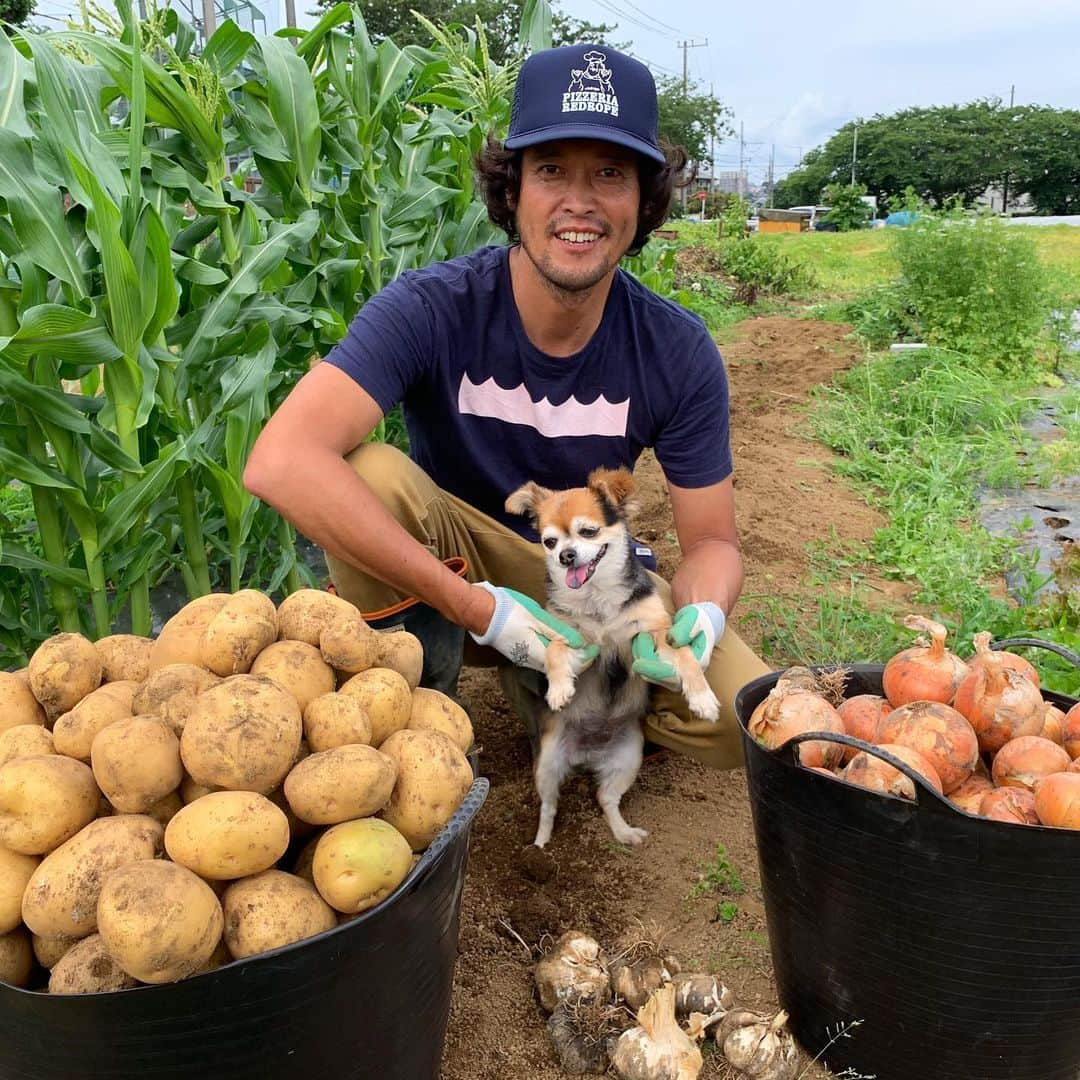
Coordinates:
<point>1070,732</point>
<point>969,795</point>
<point>1000,704</point>
<point>1023,762</point>
<point>1053,724</point>
<point>939,733</point>
<point>875,774</point>
<point>861,715</point>
<point>1057,800</point>
<point>1014,805</point>
<point>1010,660</point>
<point>786,713</point>
<point>923,672</point>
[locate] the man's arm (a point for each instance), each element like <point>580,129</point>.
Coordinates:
<point>711,567</point>
<point>298,466</point>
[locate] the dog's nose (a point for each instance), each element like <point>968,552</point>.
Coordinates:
<point>568,556</point>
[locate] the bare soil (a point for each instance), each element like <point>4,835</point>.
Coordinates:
<point>514,901</point>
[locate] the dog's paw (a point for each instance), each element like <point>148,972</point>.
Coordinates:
<point>629,835</point>
<point>543,835</point>
<point>703,704</point>
<point>559,694</point>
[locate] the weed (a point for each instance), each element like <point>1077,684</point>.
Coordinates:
<point>718,876</point>
<point>616,848</point>
<point>727,911</point>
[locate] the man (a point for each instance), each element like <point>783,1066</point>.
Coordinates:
<point>540,361</point>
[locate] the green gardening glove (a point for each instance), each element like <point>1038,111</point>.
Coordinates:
<point>698,625</point>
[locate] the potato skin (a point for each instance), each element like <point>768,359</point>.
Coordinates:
<point>348,644</point>
<point>63,670</point>
<point>48,951</point>
<point>336,720</point>
<point>124,657</point>
<point>338,785</point>
<point>136,763</point>
<point>303,614</point>
<point>25,740</point>
<point>227,835</point>
<point>16,870</point>
<point>401,652</point>
<point>434,777</point>
<point>243,734</point>
<point>75,731</point>
<point>387,699</point>
<point>17,703</point>
<point>245,625</point>
<point>297,667</point>
<point>61,897</point>
<point>181,637</point>
<point>358,864</point>
<point>434,711</point>
<point>16,957</point>
<point>272,909</point>
<point>44,801</point>
<point>87,968</point>
<point>159,922</point>
<point>170,692</point>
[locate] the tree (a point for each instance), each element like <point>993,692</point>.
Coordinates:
<point>847,211</point>
<point>690,118</point>
<point>1046,160</point>
<point>16,12</point>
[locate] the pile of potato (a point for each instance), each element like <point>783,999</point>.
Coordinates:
<point>252,777</point>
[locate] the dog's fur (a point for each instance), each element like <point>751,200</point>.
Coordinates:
<point>596,584</point>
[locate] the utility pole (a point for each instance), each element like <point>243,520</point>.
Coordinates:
<point>290,12</point>
<point>712,151</point>
<point>854,150</point>
<point>772,162</point>
<point>1005,186</point>
<point>684,45</point>
<point>739,178</point>
<point>209,20</point>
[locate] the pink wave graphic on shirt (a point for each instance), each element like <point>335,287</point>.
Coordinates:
<point>515,406</point>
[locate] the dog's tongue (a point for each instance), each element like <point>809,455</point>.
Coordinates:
<point>576,575</point>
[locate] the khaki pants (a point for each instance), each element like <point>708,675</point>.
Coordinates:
<point>447,526</point>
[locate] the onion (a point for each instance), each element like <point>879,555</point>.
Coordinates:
<point>939,733</point>
<point>758,1046</point>
<point>970,793</point>
<point>1022,762</point>
<point>861,715</point>
<point>1074,765</point>
<point>999,703</point>
<point>1010,660</point>
<point>873,773</point>
<point>1057,800</point>
<point>786,713</point>
<point>1053,723</point>
<point>574,970</point>
<point>924,672</point>
<point>657,1049</point>
<point>1015,805</point>
<point>1070,732</point>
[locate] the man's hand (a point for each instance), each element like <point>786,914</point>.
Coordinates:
<point>699,626</point>
<point>521,630</point>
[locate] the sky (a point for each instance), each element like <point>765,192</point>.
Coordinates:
<point>793,73</point>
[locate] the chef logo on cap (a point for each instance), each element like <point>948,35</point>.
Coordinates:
<point>590,87</point>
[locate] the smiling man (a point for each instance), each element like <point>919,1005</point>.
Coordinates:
<point>541,361</point>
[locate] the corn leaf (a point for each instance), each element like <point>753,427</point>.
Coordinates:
<point>13,72</point>
<point>17,557</point>
<point>130,505</point>
<point>45,402</point>
<point>227,47</point>
<point>20,467</point>
<point>291,97</point>
<point>61,331</point>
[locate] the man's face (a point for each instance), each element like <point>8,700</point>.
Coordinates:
<point>577,211</point>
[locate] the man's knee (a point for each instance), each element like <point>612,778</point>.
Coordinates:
<point>385,469</point>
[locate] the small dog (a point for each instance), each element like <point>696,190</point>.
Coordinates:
<point>596,584</point>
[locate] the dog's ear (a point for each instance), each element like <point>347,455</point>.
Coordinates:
<point>615,488</point>
<point>526,500</point>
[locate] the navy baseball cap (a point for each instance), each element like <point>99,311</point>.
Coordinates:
<point>585,92</point>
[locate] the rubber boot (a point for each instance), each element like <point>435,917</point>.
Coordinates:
<point>443,642</point>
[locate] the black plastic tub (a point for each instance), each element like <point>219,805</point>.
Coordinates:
<point>368,999</point>
<point>952,940</point>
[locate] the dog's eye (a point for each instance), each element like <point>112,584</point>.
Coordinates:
<point>550,542</point>
<point>587,532</point>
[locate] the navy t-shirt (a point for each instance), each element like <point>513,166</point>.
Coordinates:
<point>487,411</point>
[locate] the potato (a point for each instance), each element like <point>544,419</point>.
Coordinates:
<point>164,810</point>
<point>63,670</point>
<point>159,922</point>
<point>16,957</point>
<point>136,763</point>
<point>47,951</point>
<point>219,957</point>
<point>303,614</point>
<point>15,872</point>
<point>180,639</point>
<point>401,652</point>
<point>272,909</point>
<point>358,864</point>
<point>336,720</point>
<point>297,667</point>
<point>44,801</point>
<point>243,734</point>
<point>190,790</point>
<point>62,894</point>
<point>227,835</point>
<point>434,777</point>
<point>244,626</point>
<point>302,866</point>
<point>18,705</point>
<point>124,657</point>
<point>170,692</point>
<point>75,731</point>
<point>386,698</point>
<point>434,711</point>
<point>25,740</point>
<point>348,644</point>
<point>298,829</point>
<point>87,968</point>
<point>341,784</point>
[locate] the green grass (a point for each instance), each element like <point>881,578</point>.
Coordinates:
<point>717,876</point>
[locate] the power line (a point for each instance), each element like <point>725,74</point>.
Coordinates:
<point>629,18</point>
<point>652,18</point>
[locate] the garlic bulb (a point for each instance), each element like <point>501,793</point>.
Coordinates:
<point>657,1049</point>
<point>759,1046</point>
<point>635,982</point>
<point>701,994</point>
<point>574,970</point>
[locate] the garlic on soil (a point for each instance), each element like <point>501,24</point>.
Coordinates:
<point>584,1034</point>
<point>634,982</point>
<point>574,970</point>
<point>758,1045</point>
<point>657,1049</point>
<point>697,993</point>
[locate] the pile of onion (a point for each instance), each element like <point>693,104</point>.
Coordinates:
<point>939,733</point>
<point>1057,800</point>
<point>1023,762</point>
<point>999,703</point>
<point>1070,732</point>
<point>874,773</point>
<point>1014,805</point>
<point>923,672</point>
<point>981,641</point>
<point>790,711</point>
<point>861,715</point>
<point>1053,724</point>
